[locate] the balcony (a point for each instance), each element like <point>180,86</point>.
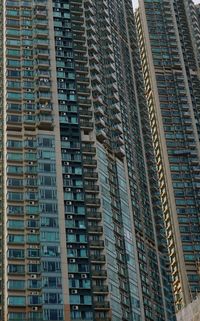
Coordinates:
<point>92,188</point>
<point>101,305</point>
<point>115,108</point>
<point>79,48</point>
<point>120,152</point>
<point>93,201</point>
<point>116,119</point>
<point>93,58</point>
<point>86,125</point>
<point>100,123</point>
<point>88,149</point>
<point>85,113</point>
<point>97,100</point>
<point>45,108</point>
<point>118,129</point>
<point>97,243</point>
<point>77,18</point>
<point>101,135</point>
<point>40,13</point>
<point>84,102</point>
<point>44,85</point>
<point>99,111</point>
<point>45,122</point>
<point>40,43</point>
<point>41,23</point>
<point>99,274</point>
<point>43,63</point>
<point>101,259</point>
<point>95,229</point>
<point>89,162</point>
<point>100,289</point>
<point>42,53</point>
<point>44,96</point>
<point>91,175</point>
<point>94,215</point>
<point>43,73</point>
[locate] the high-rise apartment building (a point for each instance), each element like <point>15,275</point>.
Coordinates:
<point>81,220</point>
<point>169,46</point>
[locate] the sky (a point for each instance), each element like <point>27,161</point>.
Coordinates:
<point>135,3</point>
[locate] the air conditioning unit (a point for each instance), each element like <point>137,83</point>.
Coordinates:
<point>74,291</point>
<point>72,261</point>
<point>71,276</point>
<point>69,217</point>
<point>33,276</point>
<point>69,203</point>
<point>35,308</point>
<point>34,293</point>
<point>68,189</point>
<point>33,231</point>
<point>84,276</point>
<point>75,307</point>
<point>32,216</point>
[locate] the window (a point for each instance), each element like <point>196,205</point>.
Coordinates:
<point>53,314</point>
<point>16,284</point>
<point>15,224</point>
<point>17,300</point>
<point>34,299</point>
<point>16,316</point>
<point>15,268</point>
<point>33,238</point>
<point>50,236</point>
<point>33,253</point>
<point>15,238</point>
<point>34,284</point>
<point>34,268</point>
<point>16,254</point>
<point>15,210</point>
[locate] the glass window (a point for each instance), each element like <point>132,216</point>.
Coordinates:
<point>15,224</point>
<point>16,254</point>
<point>15,238</point>
<point>17,300</point>
<point>15,210</point>
<point>16,268</point>
<point>16,284</point>
<point>16,316</point>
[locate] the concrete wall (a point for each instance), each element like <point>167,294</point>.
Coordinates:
<point>191,312</point>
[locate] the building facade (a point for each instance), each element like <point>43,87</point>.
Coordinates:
<point>81,222</point>
<point>191,312</point>
<point>169,47</point>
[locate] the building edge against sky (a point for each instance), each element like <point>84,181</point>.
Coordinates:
<point>169,48</point>
<point>82,228</point>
